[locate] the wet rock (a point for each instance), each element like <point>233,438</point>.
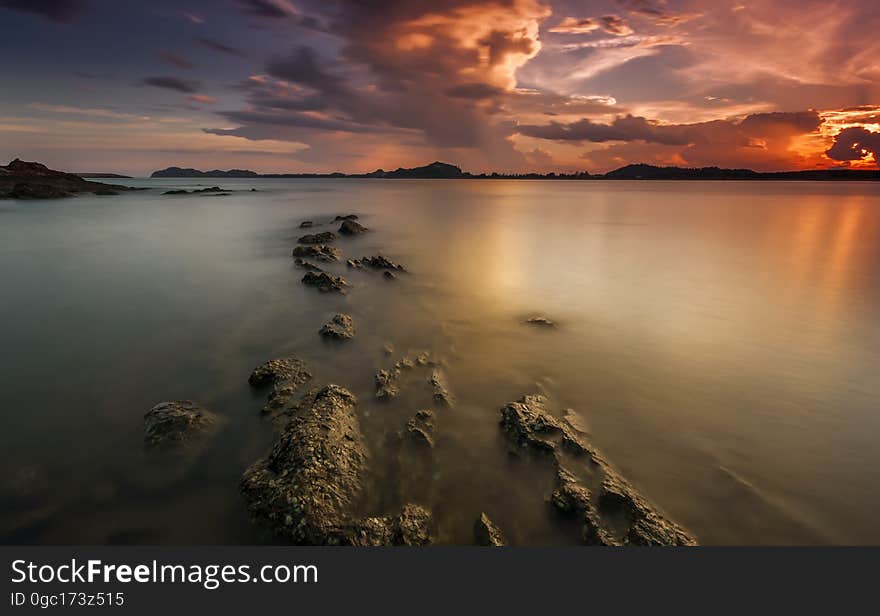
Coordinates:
<point>388,349</point>
<point>306,224</point>
<point>306,265</point>
<point>318,238</point>
<point>413,527</point>
<point>388,275</point>
<point>318,252</point>
<point>308,485</point>
<point>285,370</point>
<point>404,364</point>
<point>423,359</point>
<point>539,321</point>
<point>346,217</point>
<point>324,282</point>
<point>420,429</point>
<point>440,389</point>
<point>380,262</point>
<point>176,192</point>
<point>487,533</point>
<point>612,511</point>
<point>351,227</point>
<point>340,327</point>
<point>386,384</point>
<point>211,189</point>
<point>172,424</point>
<point>354,264</point>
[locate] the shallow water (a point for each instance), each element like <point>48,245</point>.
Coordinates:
<point>720,342</point>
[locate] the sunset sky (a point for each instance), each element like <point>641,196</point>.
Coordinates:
<point>510,85</point>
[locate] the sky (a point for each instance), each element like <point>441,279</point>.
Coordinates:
<point>491,85</point>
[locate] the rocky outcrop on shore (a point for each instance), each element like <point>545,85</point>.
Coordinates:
<point>28,180</point>
<point>611,510</point>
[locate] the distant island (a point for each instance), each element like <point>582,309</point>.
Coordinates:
<point>445,171</point>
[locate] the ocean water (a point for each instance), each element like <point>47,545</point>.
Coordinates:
<point>720,342</point>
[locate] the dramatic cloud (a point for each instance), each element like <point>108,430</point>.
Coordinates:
<point>855,143</point>
<point>175,60</point>
<point>612,24</point>
<point>173,83</point>
<point>55,10</point>
<point>274,9</point>
<point>216,45</point>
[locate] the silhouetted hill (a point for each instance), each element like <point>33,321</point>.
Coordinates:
<point>178,172</point>
<point>442,171</point>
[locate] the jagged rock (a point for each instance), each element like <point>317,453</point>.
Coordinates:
<point>306,224</point>
<point>172,424</point>
<point>540,321</point>
<point>420,429</point>
<point>324,282</point>
<point>380,262</point>
<point>340,327</point>
<point>319,252</point>
<point>386,384</point>
<point>404,363</point>
<point>388,275</point>
<point>306,265</point>
<point>285,370</point>
<point>612,511</point>
<point>318,238</point>
<point>412,527</point>
<point>351,227</point>
<point>306,488</point>
<point>346,217</point>
<point>440,389</point>
<point>354,264</point>
<point>487,533</point>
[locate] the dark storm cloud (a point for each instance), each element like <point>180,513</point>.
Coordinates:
<point>175,60</point>
<point>55,10</point>
<point>273,9</point>
<point>173,83</point>
<point>855,143</point>
<point>216,45</point>
<point>474,91</point>
<point>305,68</point>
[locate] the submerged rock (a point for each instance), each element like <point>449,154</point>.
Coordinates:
<point>172,424</point>
<point>388,275</point>
<point>487,533</point>
<point>440,389</point>
<point>540,321</point>
<point>612,511</point>
<point>306,265</point>
<point>320,252</point>
<point>318,238</point>
<point>308,485</point>
<point>178,191</point>
<point>340,327</point>
<point>324,282</point>
<point>386,384</point>
<point>351,227</point>
<point>380,262</point>
<point>306,224</point>
<point>420,429</point>
<point>346,217</point>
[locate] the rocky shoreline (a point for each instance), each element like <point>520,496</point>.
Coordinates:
<point>28,180</point>
<point>311,487</point>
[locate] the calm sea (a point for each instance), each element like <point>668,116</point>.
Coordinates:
<point>719,341</point>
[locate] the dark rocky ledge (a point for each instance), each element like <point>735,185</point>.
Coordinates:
<point>27,180</point>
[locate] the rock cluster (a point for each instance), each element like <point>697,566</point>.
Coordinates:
<point>611,510</point>
<point>27,180</point>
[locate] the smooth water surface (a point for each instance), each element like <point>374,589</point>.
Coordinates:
<point>719,341</point>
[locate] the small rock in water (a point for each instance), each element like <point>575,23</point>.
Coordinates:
<point>388,275</point>
<point>441,389</point>
<point>380,262</point>
<point>351,227</point>
<point>354,264</point>
<point>420,429</point>
<point>487,533</point>
<point>288,370</point>
<point>340,327</point>
<point>346,217</point>
<point>324,282</point>
<point>540,321</point>
<point>324,237</point>
<point>306,265</point>
<point>171,424</point>
<point>176,192</point>
<point>386,384</point>
<point>388,349</point>
<point>320,252</point>
<point>306,224</point>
